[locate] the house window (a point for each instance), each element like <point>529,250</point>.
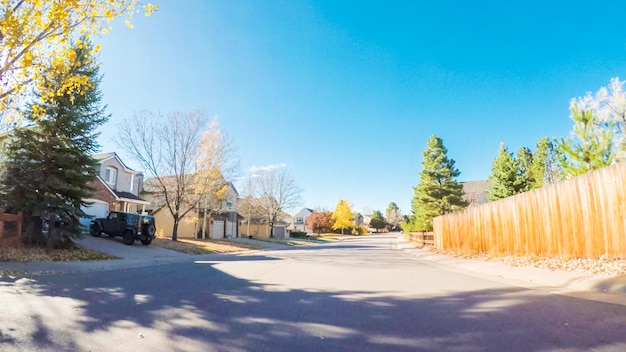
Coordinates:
<point>299,220</point>
<point>110,174</point>
<point>229,203</point>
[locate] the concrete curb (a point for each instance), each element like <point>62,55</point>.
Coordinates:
<point>525,276</point>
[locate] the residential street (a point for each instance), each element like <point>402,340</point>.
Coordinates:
<point>359,294</point>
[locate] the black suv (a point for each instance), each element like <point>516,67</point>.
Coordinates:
<point>130,226</point>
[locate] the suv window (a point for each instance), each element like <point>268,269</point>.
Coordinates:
<point>131,219</point>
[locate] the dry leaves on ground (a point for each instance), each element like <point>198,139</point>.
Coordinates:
<point>24,254</point>
<point>203,246</point>
<point>603,265</point>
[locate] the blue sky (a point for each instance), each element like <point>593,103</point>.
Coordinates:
<point>346,93</point>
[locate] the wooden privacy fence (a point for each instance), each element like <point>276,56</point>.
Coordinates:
<point>10,237</point>
<point>422,238</point>
<point>581,217</point>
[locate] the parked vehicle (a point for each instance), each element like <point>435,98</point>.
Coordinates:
<point>130,226</point>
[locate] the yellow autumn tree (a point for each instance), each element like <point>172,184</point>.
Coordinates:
<point>37,38</point>
<point>342,216</point>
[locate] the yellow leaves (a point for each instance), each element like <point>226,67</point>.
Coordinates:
<point>150,8</point>
<point>28,59</point>
<point>37,37</point>
<point>38,112</point>
<point>128,24</point>
<point>109,14</point>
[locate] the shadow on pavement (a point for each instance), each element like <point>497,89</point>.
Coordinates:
<point>199,307</point>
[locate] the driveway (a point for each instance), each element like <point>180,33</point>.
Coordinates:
<point>114,246</point>
<point>136,256</point>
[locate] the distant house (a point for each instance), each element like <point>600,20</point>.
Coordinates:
<point>476,192</point>
<point>201,222</point>
<point>359,220</point>
<point>258,227</point>
<point>367,218</point>
<point>299,220</point>
<point>254,222</point>
<point>116,188</point>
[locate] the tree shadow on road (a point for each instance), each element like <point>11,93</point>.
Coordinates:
<point>199,307</point>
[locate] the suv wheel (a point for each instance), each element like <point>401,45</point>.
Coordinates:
<point>128,237</point>
<point>146,241</point>
<point>95,230</point>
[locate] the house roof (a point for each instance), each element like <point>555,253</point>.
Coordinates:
<point>102,157</point>
<point>304,211</point>
<point>233,187</point>
<point>151,185</point>
<point>225,214</point>
<point>130,196</point>
<point>124,196</point>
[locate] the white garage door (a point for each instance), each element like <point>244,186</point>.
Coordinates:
<point>279,231</point>
<point>218,229</point>
<point>98,209</point>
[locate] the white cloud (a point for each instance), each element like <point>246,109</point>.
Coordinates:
<point>254,169</point>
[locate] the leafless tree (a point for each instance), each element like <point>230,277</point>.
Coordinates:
<point>278,193</point>
<point>185,164</point>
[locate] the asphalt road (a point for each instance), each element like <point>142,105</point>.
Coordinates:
<point>355,295</point>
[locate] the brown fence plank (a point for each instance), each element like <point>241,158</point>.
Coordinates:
<point>580,217</point>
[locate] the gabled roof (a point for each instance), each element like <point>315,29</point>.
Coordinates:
<point>233,187</point>
<point>102,157</point>
<point>123,196</point>
<point>304,211</point>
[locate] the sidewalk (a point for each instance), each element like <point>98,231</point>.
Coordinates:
<point>525,276</point>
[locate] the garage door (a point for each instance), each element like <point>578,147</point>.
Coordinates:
<point>98,209</point>
<point>279,231</point>
<point>218,229</point>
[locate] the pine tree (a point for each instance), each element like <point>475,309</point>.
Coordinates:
<point>438,192</point>
<point>525,178</point>
<point>593,148</point>
<point>342,216</point>
<point>544,168</point>
<point>504,175</point>
<point>49,163</point>
<point>378,221</point>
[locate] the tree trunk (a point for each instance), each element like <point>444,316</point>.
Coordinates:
<point>32,231</point>
<point>175,229</point>
<point>52,233</point>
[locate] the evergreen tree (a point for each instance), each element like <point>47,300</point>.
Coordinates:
<point>48,164</point>
<point>525,178</point>
<point>378,221</point>
<point>438,192</point>
<point>544,168</point>
<point>592,147</point>
<point>504,175</point>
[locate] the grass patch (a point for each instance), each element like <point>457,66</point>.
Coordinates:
<point>24,254</point>
<point>190,246</point>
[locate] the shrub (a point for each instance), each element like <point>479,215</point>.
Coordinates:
<point>298,234</point>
